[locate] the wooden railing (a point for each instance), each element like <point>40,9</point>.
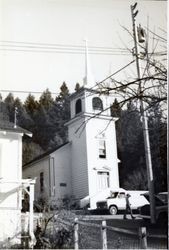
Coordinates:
<point>141,232</point>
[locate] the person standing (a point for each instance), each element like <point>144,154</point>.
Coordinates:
<point>128,207</point>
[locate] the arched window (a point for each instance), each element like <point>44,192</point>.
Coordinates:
<point>78,107</point>
<point>97,103</point>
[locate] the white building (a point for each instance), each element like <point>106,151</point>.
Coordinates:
<point>87,164</point>
<point>11,183</point>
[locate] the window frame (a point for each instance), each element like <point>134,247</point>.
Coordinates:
<point>101,180</point>
<point>95,105</point>
<point>102,148</point>
<point>78,106</point>
<point>41,180</point>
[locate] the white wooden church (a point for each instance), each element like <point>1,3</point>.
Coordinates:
<point>86,165</point>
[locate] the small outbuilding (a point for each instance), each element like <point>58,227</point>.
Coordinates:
<point>11,183</point>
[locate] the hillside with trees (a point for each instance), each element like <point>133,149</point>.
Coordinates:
<point>131,151</point>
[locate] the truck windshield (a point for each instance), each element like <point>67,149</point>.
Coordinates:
<point>113,194</point>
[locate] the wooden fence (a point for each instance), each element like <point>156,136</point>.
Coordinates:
<point>141,233</point>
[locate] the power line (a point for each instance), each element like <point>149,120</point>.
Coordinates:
<point>60,45</point>
<point>63,52</point>
<point>160,53</point>
<point>66,49</point>
<point>25,92</point>
<point>57,48</point>
<point>116,72</point>
<point>39,92</point>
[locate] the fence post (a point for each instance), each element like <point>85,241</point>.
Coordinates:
<point>76,234</point>
<point>143,237</point>
<point>104,235</point>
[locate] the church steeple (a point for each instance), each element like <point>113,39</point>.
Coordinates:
<point>88,80</point>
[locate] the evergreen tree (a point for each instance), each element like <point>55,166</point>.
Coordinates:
<point>130,144</point>
<point>59,114</point>
<point>23,118</point>
<point>31,105</point>
<point>10,108</point>
<point>131,150</point>
<point>116,109</point>
<point>158,144</point>
<point>30,151</point>
<point>64,93</point>
<point>42,131</point>
<point>46,99</point>
<point>77,87</point>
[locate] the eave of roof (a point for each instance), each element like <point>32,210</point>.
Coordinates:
<point>10,127</point>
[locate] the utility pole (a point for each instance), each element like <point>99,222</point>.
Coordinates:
<point>144,121</point>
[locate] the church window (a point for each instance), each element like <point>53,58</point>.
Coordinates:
<point>103,180</point>
<point>78,106</point>
<point>41,181</point>
<point>97,103</point>
<point>102,149</point>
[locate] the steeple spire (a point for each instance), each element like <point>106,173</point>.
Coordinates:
<point>88,80</point>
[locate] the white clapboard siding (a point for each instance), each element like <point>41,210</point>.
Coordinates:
<point>33,170</point>
<point>79,159</point>
<point>10,198</point>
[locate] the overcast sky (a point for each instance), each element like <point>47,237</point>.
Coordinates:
<point>40,40</point>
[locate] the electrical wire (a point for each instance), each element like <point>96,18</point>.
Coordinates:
<point>60,45</point>
<point>58,48</point>
<point>26,92</point>
<point>36,92</point>
<point>62,52</point>
<point>64,49</point>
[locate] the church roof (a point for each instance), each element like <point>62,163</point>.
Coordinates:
<point>9,126</point>
<point>47,153</point>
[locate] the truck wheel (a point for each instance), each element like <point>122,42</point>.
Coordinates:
<point>113,210</point>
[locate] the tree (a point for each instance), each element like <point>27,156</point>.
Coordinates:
<point>46,99</point>
<point>130,146</point>
<point>42,130</point>
<point>59,114</point>
<point>116,109</point>
<point>146,90</point>
<point>153,76</point>
<point>30,104</point>
<point>30,151</point>
<point>77,87</point>
<point>158,143</point>
<point>10,107</point>
<point>129,143</point>
<point>23,119</point>
<point>4,115</point>
<point>64,92</point>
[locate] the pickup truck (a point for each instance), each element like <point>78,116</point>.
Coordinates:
<point>116,201</point>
